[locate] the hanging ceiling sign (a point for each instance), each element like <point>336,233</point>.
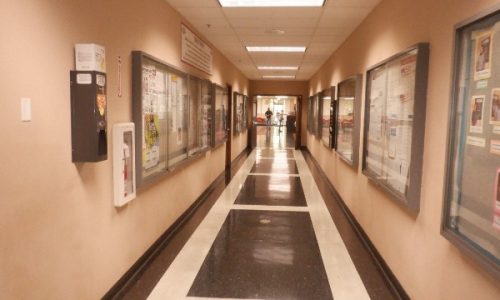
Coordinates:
<point>194,51</point>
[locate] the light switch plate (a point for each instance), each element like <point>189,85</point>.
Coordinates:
<point>25,109</point>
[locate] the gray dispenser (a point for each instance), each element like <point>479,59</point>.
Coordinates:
<point>88,116</point>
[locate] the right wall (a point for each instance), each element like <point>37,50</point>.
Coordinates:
<point>425,263</point>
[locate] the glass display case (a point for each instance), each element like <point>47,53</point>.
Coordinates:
<point>327,106</point>
<point>220,103</point>
<point>348,119</point>
<point>471,214</point>
<point>167,109</point>
<point>315,116</point>
<point>205,124</point>
<point>238,113</point>
<point>395,124</point>
<point>150,116</point>
<point>178,117</point>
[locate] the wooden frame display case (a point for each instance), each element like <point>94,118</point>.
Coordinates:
<point>327,114</point>
<point>348,119</point>
<point>395,123</point>
<point>471,210</point>
<point>219,115</point>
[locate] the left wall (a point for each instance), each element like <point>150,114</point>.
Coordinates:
<point>60,235</point>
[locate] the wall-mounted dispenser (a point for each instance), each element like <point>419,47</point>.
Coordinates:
<point>88,116</point>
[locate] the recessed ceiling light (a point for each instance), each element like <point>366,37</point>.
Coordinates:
<point>278,76</point>
<point>276,49</point>
<point>271,3</point>
<point>278,67</point>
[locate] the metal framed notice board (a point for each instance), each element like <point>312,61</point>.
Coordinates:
<point>471,212</point>
<point>395,124</point>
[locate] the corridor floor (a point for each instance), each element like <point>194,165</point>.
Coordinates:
<point>268,235</point>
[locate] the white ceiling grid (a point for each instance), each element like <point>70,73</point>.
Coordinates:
<point>321,29</point>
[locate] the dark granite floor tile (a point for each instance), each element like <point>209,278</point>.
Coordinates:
<point>275,166</point>
<point>264,255</point>
<point>272,190</point>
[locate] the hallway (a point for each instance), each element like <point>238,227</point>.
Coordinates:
<point>269,235</point>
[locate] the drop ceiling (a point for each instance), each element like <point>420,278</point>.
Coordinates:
<point>321,29</point>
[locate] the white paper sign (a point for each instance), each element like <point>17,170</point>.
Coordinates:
<point>194,51</point>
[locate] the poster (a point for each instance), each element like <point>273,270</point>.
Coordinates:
<point>496,201</point>
<point>376,126</point>
<point>152,91</point>
<point>476,114</point>
<point>495,106</point>
<point>482,56</point>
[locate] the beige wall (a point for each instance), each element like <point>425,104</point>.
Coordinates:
<point>426,264</point>
<point>261,87</point>
<point>60,235</point>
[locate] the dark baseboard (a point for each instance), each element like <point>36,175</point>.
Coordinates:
<point>379,260</point>
<point>122,285</point>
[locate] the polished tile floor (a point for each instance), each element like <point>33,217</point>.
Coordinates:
<point>268,235</point>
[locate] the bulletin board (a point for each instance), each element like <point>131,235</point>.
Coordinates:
<point>220,102</point>
<point>395,124</point>
<point>170,110</point>
<point>327,117</point>
<point>471,214</point>
<point>348,121</point>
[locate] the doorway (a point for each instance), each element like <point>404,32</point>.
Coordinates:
<point>276,124</point>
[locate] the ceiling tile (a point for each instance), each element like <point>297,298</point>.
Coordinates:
<point>193,3</point>
<point>352,3</point>
<point>200,12</point>
<point>258,22</point>
<point>346,12</point>
<point>275,40</point>
<point>321,29</point>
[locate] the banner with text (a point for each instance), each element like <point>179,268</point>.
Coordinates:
<point>195,52</point>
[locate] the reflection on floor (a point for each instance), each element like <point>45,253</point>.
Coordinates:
<point>275,137</point>
<point>269,235</point>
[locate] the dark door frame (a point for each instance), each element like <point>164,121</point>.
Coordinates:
<point>298,117</point>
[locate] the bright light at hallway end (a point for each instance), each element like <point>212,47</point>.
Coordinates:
<point>271,3</point>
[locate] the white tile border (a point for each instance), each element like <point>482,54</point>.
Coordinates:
<point>344,279</point>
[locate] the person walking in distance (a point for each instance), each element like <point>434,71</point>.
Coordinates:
<point>269,115</point>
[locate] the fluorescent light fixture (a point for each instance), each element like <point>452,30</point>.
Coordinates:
<point>278,76</point>
<point>327,98</point>
<point>278,68</point>
<point>271,3</point>
<point>276,49</point>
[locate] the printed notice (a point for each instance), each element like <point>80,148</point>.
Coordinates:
<point>495,147</point>
<point>194,51</point>
<point>475,141</point>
